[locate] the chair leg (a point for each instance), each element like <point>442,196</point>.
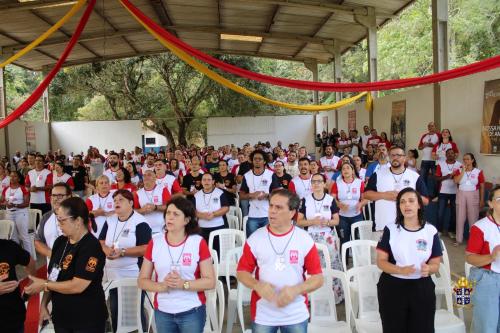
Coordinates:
<point>231,314</point>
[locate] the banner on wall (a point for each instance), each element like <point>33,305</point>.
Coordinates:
<point>30,138</point>
<point>490,132</point>
<point>398,123</point>
<point>351,119</point>
<point>325,124</point>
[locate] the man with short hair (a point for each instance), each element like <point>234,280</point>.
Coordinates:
<point>39,183</point>
<point>381,162</point>
<point>150,163</point>
<point>280,255</point>
<point>31,160</point>
<point>48,229</point>
<point>364,139</point>
<point>329,162</point>
<point>212,164</point>
<point>233,159</point>
<point>447,191</point>
<point>426,144</point>
<point>385,184</point>
<point>301,184</point>
<point>355,143</point>
<point>292,165</point>
<point>166,179</point>
<point>374,139</point>
<point>79,174</point>
<point>114,165</point>
<point>255,187</point>
<point>191,183</point>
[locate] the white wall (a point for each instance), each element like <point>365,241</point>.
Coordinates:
<point>77,136</point>
<point>17,136</point>
<point>240,130</point>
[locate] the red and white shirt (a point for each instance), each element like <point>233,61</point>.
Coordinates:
<point>39,179</point>
<point>374,140</point>
<point>484,236</point>
<point>302,187</point>
<point>348,193</point>
<point>130,187</point>
<point>145,168</point>
<point>191,252</point>
<point>441,148</point>
<point>158,196</point>
<point>331,163</point>
<point>447,186</point>
<point>14,196</point>
<point>64,178</point>
<point>471,180</point>
<point>427,151</point>
<point>343,142</point>
<point>94,202</point>
<point>299,257</point>
<point>171,183</point>
<point>111,175</point>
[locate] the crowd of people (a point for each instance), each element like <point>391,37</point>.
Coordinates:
<point>114,215</point>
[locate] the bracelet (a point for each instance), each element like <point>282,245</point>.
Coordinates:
<point>46,286</point>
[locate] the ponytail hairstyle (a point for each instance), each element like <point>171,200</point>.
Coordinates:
<point>77,208</point>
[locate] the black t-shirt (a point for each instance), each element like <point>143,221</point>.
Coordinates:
<point>212,167</point>
<point>284,180</point>
<point>229,181</point>
<point>12,310</point>
<point>244,168</point>
<point>84,260</point>
<point>78,175</point>
<point>188,181</point>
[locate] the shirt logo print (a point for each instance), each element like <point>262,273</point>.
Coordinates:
<point>186,259</point>
<point>421,245</point>
<point>294,257</point>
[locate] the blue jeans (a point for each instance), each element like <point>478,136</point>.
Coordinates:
<point>245,206</point>
<point>191,321</point>
<point>425,167</point>
<point>486,301</point>
<point>345,227</point>
<point>255,223</point>
<point>443,223</point>
<point>295,328</point>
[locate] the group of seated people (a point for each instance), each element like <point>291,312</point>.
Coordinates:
<point>154,213</point>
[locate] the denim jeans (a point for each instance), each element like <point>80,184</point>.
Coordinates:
<point>245,206</point>
<point>443,223</point>
<point>345,227</point>
<point>486,301</point>
<point>255,223</point>
<point>113,304</point>
<point>425,167</point>
<point>295,328</point>
<point>191,321</point>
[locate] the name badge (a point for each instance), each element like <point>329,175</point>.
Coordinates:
<point>349,195</point>
<point>109,205</point>
<point>39,178</point>
<point>54,273</point>
<point>155,199</point>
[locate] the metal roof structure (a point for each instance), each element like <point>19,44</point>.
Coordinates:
<point>297,30</point>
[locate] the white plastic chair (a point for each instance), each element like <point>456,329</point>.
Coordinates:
<point>363,253</point>
<point>231,261</point>
<point>440,289</point>
<point>228,240</point>
<point>215,308</point>
<point>129,304</point>
<point>367,211</point>
<point>241,295</point>
<point>6,229</point>
<point>325,254</point>
<point>364,229</point>
<point>363,280</point>
<point>323,309</point>
<point>244,226</point>
<point>233,222</point>
<point>445,320</point>
<point>34,216</point>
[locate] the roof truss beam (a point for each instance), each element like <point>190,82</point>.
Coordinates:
<point>20,6</point>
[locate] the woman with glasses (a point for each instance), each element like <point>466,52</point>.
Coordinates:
<point>483,252</point>
<point>75,275</point>
<point>318,214</point>
<point>181,260</point>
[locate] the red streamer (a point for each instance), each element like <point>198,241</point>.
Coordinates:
<point>473,68</point>
<point>37,93</point>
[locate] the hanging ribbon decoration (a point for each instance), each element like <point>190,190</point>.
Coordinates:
<point>473,68</point>
<point>233,86</point>
<point>35,96</point>
<point>76,7</point>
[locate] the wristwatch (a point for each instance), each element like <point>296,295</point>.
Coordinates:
<point>122,253</point>
<point>185,286</point>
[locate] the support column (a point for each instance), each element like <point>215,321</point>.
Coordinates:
<point>439,50</point>
<point>369,21</point>
<point>3,108</point>
<point>46,108</point>
<point>337,71</point>
<point>312,65</point>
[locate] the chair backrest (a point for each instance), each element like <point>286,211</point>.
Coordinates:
<point>364,229</point>
<point>323,309</point>
<point>215,304</point>
<point>244,226</point>
<point>241,295</point>
<point>129,304</point>
<point>363,252</point>
<point>444,276</point>
<point>324,255</point>
<point>231,261</point>
<point>363,280</point>
<point>445,258</point>
<point>228,239</point>
<point>6,229</point>
<point>367,211</point>
<point>35,215</point>
<point>233,222</point>
<point>215,261</point>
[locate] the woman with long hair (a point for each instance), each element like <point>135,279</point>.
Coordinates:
<point>445,142</point>
<point>59,176</point>
<point>181,260</point>
<point>123,181</point>
<point>135,177</point>
<point>408,253</point>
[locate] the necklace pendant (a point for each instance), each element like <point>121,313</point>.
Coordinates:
<point>279,264</point>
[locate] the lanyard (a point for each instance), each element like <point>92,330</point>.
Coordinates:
<point>116,227</point>
<point>170,253</point>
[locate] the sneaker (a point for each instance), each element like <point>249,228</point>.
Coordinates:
<point>451,235</point>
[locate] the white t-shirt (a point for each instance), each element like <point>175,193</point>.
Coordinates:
<point>441,148</point>
<point>94,202</point>
<point>158,196</point>
<point>471,180</point>
<point>448,186</point>
<point>427,151</point>
<point>364,140</point>
<point>51,230</point>
<point>265,182</point>
<point>186,258</point>
<point>355,148</point>
<point>407,247</point>
<point>39,179</point>
<point>15,196</point>
<point>484,237</point>
<point>331,163</point>
<point>145,168</point>
<point>111,175</point>
<point>231,163</point>
<point>324,208</point>
<point>170,182</point>
<point>293,169</point>
<point>349,194</point>
<point>384,180</point>
<point>211,202</point>
<point>298,256</point>
<point>300,186</point>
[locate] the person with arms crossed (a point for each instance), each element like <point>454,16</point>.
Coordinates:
<point>282,254</point>
<point>101,204</point>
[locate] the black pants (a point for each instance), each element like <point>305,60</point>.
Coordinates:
<point>43,207</point>
<point>205,233</point>
<point>101,328</point>
<point>406,306</point>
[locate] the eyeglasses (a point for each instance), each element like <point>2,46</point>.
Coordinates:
<point>63,219</point>
<point>58,196</point>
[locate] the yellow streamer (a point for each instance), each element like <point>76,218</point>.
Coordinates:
<point>231,85</point>
<point>46,34</point>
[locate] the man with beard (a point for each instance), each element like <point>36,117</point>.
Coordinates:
<point>212,164</point>
<point>150,163</point>
<point>114,165</point>
<point>292,166</point>
<point>301,184</point>
<point>329,162</point>
<point>385,184</point>
<point>381,163</point>
<point>191,182</point>
<point>166,179</point>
